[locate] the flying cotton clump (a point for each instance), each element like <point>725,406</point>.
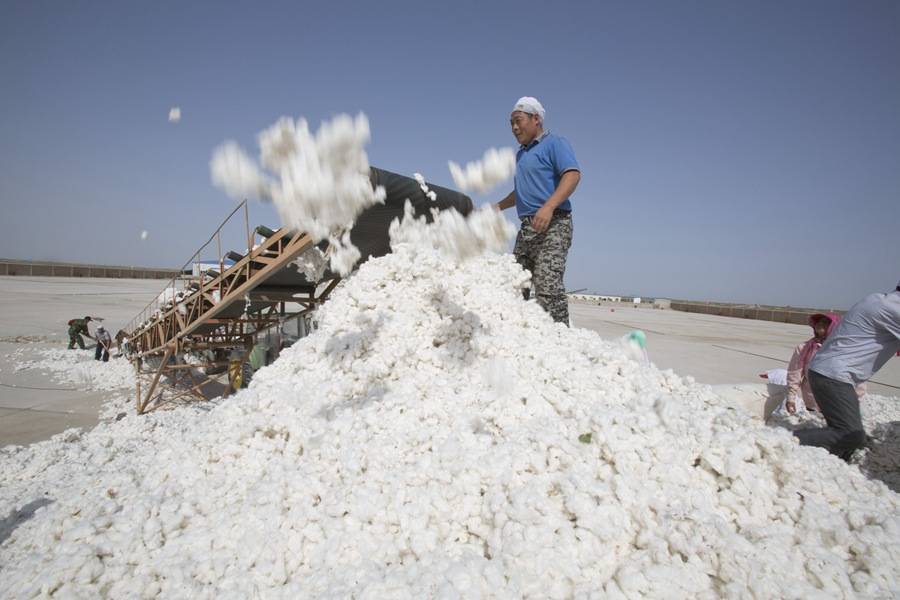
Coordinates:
<point>497,165</point>
<point>429,193</point>
<point>456,236</point>
<point>311,263</point>
<point>343,254</point>
<point>174,114</point>
<point>144,234</point>
<point>237,175</point>
<point>319,182</point>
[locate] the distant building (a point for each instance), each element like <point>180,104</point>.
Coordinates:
<point>595,298</point>
<point>634,300</point>
<point>201,266</point>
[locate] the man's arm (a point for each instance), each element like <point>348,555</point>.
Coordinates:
<point>507,202</point>
<point>567,184</point>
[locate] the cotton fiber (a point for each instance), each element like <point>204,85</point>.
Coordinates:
<point>438,436</point>
<point>318,182</point>
<point>496,166</point>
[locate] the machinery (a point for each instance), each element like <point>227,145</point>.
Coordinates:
<point>207,322</point>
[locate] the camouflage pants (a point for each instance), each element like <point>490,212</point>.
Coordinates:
<point>544,255</point>
<point>75,338</point>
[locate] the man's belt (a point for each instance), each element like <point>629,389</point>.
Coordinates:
<point>556,213</point>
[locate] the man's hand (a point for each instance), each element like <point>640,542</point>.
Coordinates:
<point>567,184</point>
<point>508,202</point>
<point>541,220</point>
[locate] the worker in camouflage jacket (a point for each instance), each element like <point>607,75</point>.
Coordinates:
<point>76,328</point>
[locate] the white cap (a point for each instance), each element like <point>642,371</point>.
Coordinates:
<point>529,105</point>
<point>100,328</point>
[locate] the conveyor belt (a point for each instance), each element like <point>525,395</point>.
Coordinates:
<point>226,309</point>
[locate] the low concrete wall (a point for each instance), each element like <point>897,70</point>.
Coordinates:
<point>54,269</point>
<point>798,316</point>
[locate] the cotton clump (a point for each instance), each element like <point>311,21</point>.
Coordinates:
<point>174,114</point>
<point>236,173</point>
<point>438,436</point>
<point>429,193</point>
<point>485,230</point>
<point>318,182</point>
<point>311,264</point>
<point>496,166</point>
<point>170,297</point>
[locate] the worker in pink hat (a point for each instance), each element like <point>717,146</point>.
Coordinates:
<point>799,393</point>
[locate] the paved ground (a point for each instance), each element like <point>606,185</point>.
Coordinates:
<point>720,351</point>
<point>33,314</point>
<point>714,350</point>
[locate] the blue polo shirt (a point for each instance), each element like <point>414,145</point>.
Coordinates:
<point>539,167</point>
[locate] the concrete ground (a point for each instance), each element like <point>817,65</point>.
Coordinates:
<point>725,352</point>
<point>33,315</point>
<point>713,350</point>
<point>722,351</point>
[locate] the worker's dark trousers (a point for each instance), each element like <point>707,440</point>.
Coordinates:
<point>840,407</point>
<point>101,350</point>
<point>544,255</point>
<point>75,338</point>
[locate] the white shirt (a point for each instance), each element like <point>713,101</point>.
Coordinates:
<point>867,336</point>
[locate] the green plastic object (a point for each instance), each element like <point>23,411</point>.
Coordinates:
<point>639,337</point>
<point>257,357</point>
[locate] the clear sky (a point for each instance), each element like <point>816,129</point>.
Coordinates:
<point>733,151</point>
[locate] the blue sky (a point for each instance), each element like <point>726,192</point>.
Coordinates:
<point>733,151</point>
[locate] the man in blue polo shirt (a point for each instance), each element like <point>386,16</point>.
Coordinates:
<point>546,175</point>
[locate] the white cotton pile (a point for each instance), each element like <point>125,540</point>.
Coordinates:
<point>880,458</point>
<point>437,436</point>
<point>79,369</point>
<point>496,166</point>
<point>318,183</point>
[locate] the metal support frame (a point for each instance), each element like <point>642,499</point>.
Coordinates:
<point>201,321</point>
